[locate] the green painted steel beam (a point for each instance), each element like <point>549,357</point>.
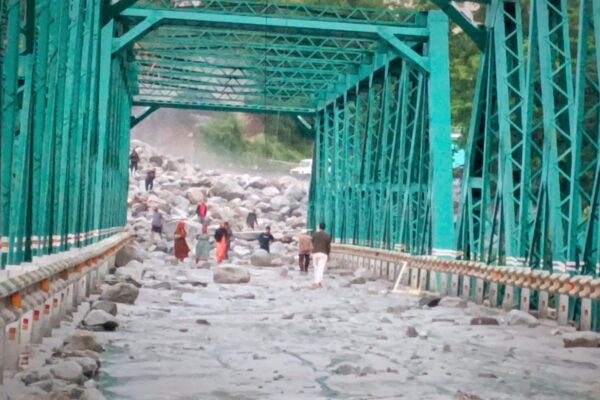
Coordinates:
<point>118,6</point>
<point>257,57</point>
<point>135,33</point>
<point>253,109</point>
<point>136,119</point>
<point>325,13</point>
<point>257,90</point>
<point>405,51</point>
<point>272,23</point>
<point>194,37</point>
<point>476,33</point>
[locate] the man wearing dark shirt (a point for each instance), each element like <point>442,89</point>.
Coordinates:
<point>321,247</point>
<point>265,239</point>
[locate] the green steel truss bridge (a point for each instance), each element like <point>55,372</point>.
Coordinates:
<point>373,86</point>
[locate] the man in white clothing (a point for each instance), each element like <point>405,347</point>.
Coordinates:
<point>321,247</point>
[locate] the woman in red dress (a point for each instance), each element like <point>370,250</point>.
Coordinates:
<point>181,247</point>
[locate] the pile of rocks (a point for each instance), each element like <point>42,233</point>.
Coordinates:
<point>69,373</point>
<point>280,202</point>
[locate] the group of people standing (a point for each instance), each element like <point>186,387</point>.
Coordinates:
<point>318,246</point>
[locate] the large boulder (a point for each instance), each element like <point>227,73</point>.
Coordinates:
<point>582,339</point>
<point>248,235</point>
<point>92,394</point>
<point>261,258</point>
<point>120,293</point>
<point>518,317</point>
<point>114,279</point>
<point>231,274</point>
<point>89,365</point>
<point>128,253</point>
<point>295,192</point>
<point>195,195</point>
<point>81,341</point>
<point>279,201</point>
<point>156,159</point>
<point>69,371</point>
<point>257,183</point>
<point>134,269</point>
<point>106,306</point>
<point>227,188</point>
<point>278,248</point>
<point>270,191</point>
<point>98,320</point>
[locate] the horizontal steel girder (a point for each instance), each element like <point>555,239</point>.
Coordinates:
<point>381,16</point>
<point>225,107</point>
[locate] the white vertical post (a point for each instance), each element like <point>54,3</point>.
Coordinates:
<point>479,291</point>
<point>454,285</point>
<point>55,313</point>
<point>509,298</point>
<point>525,299</point>
<point>423,279</point>
<point>36,326</point>
<point>543,304</point>
<point>11,348</point>
<point>586,315</point>
<point>2,351</point>
<point>25,340</point>
<point>466,287</point>
<point>414,278</point>
<point>47,317</point>
<point>493,294</point>
<point>563,309</point>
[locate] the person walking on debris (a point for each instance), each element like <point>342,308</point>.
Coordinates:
<point>182,250</point>
<point>321,247</point>
<point>157,225</point>
<point>202,247</point>
<point>304,249</point>
<point>150,175</point>
<point>221,239</point>
<point>265,239</point>
<point>251,219</point>
<point>229,239</point>
<point>202,210</point>
<point>134,159</point>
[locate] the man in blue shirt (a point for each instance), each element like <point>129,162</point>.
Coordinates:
<point>265,239</point>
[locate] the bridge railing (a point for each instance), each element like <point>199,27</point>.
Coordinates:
<point>33,303</point>
<point>563,297</point>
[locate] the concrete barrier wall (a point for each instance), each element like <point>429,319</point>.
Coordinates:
<point>34,301</point>
<point>566,298</point>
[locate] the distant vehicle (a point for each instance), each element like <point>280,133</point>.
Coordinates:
<point>187,3</point>
<point>303,168</point>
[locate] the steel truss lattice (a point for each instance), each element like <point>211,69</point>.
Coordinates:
<point>72,71</point>
<point>530,194</point>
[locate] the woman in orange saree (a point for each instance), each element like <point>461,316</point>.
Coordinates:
<point>181,247</point>
<point>221,239</point>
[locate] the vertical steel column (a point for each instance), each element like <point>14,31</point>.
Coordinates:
<point>105,79</point>
<point>9,115</point>
<point>555,199</point>
<point>439,106</point>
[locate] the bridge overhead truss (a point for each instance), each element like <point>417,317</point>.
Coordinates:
<point>363,78</point>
